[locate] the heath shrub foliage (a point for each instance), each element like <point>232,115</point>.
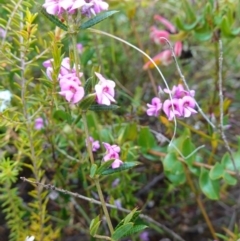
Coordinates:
<point>101,141</point>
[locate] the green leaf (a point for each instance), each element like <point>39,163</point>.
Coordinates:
<point>103,107</point>
<point>194,169</point>
<point>61,115</point>
<point>129,217</point>
<point>146,139</point>
<point>136,229</point>
<point>217,171</point>
<point>127,132</point>
<point>176,179</point>
<point>104,166</point>
<point>187,149</point>
<point>177,168</point>
<point>87,55</point>
<point>97,19</point>
<point>203,35</point>
<point>94,225</point>
<point>93,170</point>
<point>208,9</point>
<point>227,161</point>
<point>184,26</point>
<point>88,85</point>
<point>210,188</point>
<point>123,167</point>
<point>122,231</point>
<point>230,180</point>
<point>169,161</point>
<point>178,142</point>
<point>54,19</point>
<point>87,101</point>
<point>190,13</point>
<point>226,28</point>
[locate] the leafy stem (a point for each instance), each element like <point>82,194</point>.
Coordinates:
<point>89,149</point>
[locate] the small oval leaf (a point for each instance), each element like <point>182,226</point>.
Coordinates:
<point>210,188</point>
<point>229,179</point>
<point>217,171</point>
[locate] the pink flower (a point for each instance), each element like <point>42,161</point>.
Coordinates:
<point>116,182</point>
<point>118,203</point>
<point>155,107</point>
<point>178,48</point>
<point>48,63</point>
<point>2,33</point>
<point>70,77</point>
<point>166,23</point>
<point>144,236</point>
<point>80,48</point>
<point>188,104</point>
<point>95,144</point>
<point>58,7</point>
<point>158,35</point>
<point>65,68</point>
<point>77,4</point>
<point>93,7</point>
<point>111,148</point>
<point>104,90</point>
<point>117,163</point>
<point>179,91</point>
<point>163,58</point>
<point>39,123</point>
<point>112,153</point>
<point>172,108</point>
<point>53,7</point>
<point>71,91</point>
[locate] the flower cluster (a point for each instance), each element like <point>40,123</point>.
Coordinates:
<point>164,57</point>
<point>71,86</point>
<point>181,105</point>
<point>69,82</point>
<point>112,152</point>
<point>87,7</point>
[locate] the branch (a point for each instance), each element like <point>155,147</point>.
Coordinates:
<point>220,86</point>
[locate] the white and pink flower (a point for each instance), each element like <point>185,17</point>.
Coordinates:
<point>72,92</point>
<point>105,90</point>
<point>112,153</point>
<point>155,107</point>
<point>95,144</point>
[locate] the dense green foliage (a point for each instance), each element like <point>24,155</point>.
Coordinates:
<point>189,167</point>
